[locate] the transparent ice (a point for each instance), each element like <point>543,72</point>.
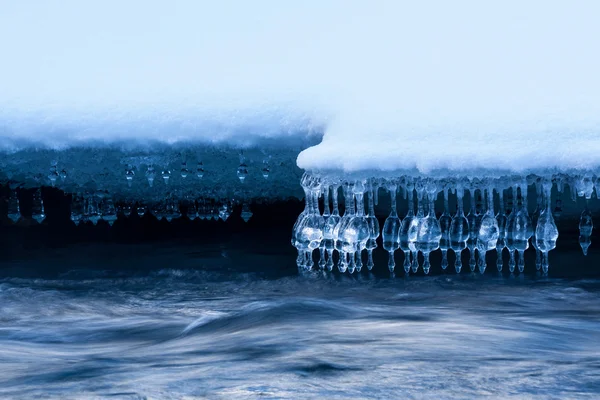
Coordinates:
<point>391,229</point>
<point>484,231</point>
<point>430,232</point>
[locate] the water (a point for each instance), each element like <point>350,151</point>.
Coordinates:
<point>194,333</point>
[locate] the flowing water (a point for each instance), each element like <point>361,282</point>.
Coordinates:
<point>182,334</point>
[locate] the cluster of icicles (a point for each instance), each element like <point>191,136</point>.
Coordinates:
<point>480,231</point>
<point>96,206</point>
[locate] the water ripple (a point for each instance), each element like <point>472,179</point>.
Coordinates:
<point>192,334</point>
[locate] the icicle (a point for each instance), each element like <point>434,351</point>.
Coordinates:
<point>391,228</point>
<point>501,220</point>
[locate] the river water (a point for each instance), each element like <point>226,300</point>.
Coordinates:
<point>184,334</point>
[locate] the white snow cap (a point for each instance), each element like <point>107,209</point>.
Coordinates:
<point>425,85</point>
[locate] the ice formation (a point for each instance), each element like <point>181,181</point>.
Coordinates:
<point>485,229</point>
<point>167,181</point>
<point>483,86</point>
<point>139,107</point>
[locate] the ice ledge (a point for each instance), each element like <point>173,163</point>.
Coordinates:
<point>141,128</point>
<point>472,149</point>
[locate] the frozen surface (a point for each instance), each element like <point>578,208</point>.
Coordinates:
<point>104,168</point>
<point>427,87</point>
<point>139,73</point>
<point>510,89</point>
<point>472,152</point>
<point>153,126</point>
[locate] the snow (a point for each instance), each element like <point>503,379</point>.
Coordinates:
<point>474,90</point>
<point>425,87</point>
<point>156,125</point>
<point>488,150</point>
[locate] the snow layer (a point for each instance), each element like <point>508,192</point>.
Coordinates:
<point>155,125</point>
<point>140,72</point>
<point>488,150</point>
<point>420,86</point>
<point>508,87</point>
